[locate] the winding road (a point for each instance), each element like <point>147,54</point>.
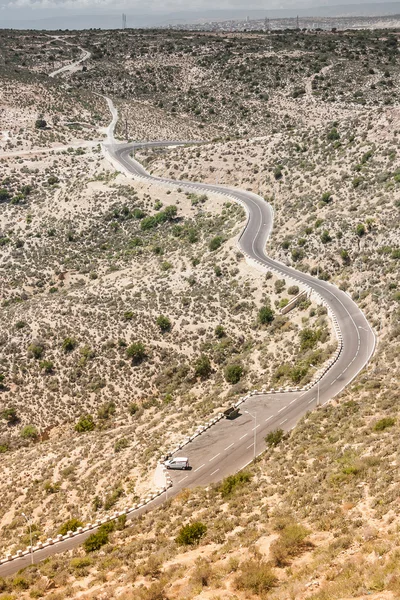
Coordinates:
<point>228,446</point>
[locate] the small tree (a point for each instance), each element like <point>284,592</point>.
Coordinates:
<point>40,123</point>
<point>293,290</point>
<point>256,577</point>
<point>233,373</point>
<point>265,315</point>
<point>163,323</point>
<point>191,534</point>
<point>360,230</point>
<point>96,540</point>
<point>232,482</point>
<point>202,367</point>
<point>136,352</point>
<point>325,237</point>
<point>274,437</point>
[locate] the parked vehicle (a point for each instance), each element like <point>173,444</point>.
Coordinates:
<point>177,463</point>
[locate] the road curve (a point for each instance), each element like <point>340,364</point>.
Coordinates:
<point>358,336</point>
<point>229,446</point>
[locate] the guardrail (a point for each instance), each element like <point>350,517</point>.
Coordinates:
<point>88,527</point>
<point>201,428</point>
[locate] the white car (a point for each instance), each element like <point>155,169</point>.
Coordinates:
<point>180,462</point>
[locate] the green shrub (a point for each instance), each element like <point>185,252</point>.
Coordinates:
<point>133,408</point>
<point>163,323</point>
<point>216,243</point>
<point>85,423</point>
<point>291,542</point>
<point>333,134</point>
<point>10,415</point>
<point>171,212</point>
<point>232,482</point>
<point>219,331</point>
<point>36,350</point>
<point>325,237</point>
<point>113,498</point>
<point>47,366</point>
<point>309,338</point>
<point>265,315</point>
<point>326,197</point>
<point>256,576</point>
<point>233,373</point>
<point>80,563</point>
<point>20,583</point>
<point>136,352</point>
<point>202,367</point>
<point>384,423</point>
<point>106,410</point>
<point>191,534</point>
<point>360,230</point>
<point>273,438</point>
<point>279,285</point>
<point>96,540</point>
<point>29,432</point>
<point>40,123</point>
<point>121,445</point>
<point>298,372</point>
<point>69,344</point>
<point>293,290</point>
<point>70,525</point>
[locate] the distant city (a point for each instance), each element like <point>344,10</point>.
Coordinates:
<point>301,23</point>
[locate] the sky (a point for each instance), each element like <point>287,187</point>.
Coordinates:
<point>41,9</point>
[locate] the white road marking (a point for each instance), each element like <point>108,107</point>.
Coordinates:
<point>255,427</point>
<point>227,448</point>
<point>269,418</point>
<point>292,401</point>
<point>281,409</point>
<point>214,457</point>
<point>183,479</point>
<point>312,400</point>
<point>243,436</point>
<point>213,473</point>
<point>282,422</point>
<point>198,468</point>
<point>251,446</point>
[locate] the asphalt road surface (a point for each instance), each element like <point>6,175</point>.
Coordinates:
<point>229,446</point>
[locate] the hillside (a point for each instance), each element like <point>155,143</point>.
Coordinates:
<point>125,304</point>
